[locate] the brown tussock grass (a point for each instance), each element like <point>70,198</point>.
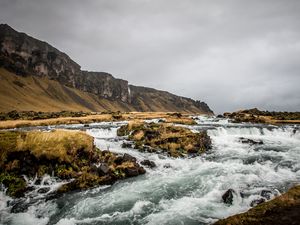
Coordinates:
<point>60,144</point>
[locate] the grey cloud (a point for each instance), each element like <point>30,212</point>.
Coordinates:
<point>232,54</point>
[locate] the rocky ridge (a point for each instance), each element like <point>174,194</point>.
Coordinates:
<point>25,56</point>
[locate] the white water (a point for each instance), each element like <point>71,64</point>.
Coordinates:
<point>189,191</point>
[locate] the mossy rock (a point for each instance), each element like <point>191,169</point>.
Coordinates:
<point>174,140</point>
<point>16,186</point>
<point>66,154</point>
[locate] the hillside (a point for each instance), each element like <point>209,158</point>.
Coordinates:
<point>53,81</point>
<point>41,94</point>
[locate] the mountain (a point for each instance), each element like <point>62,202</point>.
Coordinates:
<point>34,73</point>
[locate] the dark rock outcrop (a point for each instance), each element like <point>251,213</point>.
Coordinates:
<point>228,196</point>
<point>24,56</point>
<point>250,141</point>
<point>282,210</point>
<point>148,163</point>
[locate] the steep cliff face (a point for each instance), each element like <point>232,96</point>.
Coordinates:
<point>26,56</point>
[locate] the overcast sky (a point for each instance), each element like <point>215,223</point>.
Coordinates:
<point>231,54</point>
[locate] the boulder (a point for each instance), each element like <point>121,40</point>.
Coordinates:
<point>148,163</point>
<point>228,196</point>
<point>103,169</point>
<point>250,141</point>
<point>126,145</point>
<point>128,158</point>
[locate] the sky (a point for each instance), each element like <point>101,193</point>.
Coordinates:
<point>232,54</point>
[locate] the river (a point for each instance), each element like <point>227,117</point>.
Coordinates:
<point>178,191</point>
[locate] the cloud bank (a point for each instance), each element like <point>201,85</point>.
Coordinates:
<point>231,54</point>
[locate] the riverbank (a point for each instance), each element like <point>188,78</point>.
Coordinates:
<point>70,156</point>
<point>258,116</point>
<point>282,210</point>
<point>85,118</point>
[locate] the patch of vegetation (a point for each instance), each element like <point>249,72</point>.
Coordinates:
<point>66,154</point>
<point>32,115</point>
<point>257,116</point>
<point>19,83</point>
<point>174,140</point>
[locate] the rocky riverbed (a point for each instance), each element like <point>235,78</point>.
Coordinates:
<point>249,162</point>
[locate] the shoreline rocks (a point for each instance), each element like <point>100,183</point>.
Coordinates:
<point>257,116</point>
<point>282,210</point>
<point>68,155</point>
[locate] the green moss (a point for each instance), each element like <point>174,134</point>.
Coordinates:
<point>119,173</point>
<point>15,185</point>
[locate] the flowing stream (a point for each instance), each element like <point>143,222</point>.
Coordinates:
<point>177,191</point>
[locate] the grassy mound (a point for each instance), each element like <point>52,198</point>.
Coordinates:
<point>66,154</point>
<point>174,140</point>
<point>258,116</point>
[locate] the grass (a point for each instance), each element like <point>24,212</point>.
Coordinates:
<point>175,140</point>
<point>41,94</point>
<point>64,153</point>
<point>57,144</point>
<point>258,116</point>
<point>133,117</point>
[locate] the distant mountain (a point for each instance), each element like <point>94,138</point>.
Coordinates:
<point>26,60</point>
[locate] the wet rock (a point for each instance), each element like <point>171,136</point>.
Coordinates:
<point>250,141</point>
<point>131,172</point>
<point>118,160</point>
<point>43,190</point>
<point>220,116</point>
<point>103,169</point>
<point>53,195</point>
<point>228,196</point>
<point>127,157</point>
<point>266,194</point>
<point>148,163</point>
<point>19,207</point>
<point>126,145</point>
<point>86,125</point>
<point>256,202</point>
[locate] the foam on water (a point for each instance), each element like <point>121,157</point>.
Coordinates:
<point>181,191</point>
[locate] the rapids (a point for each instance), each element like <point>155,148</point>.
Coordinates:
<point>177,191</point>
